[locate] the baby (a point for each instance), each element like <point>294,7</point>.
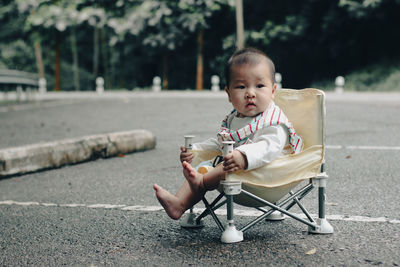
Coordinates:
<point>260,129</point>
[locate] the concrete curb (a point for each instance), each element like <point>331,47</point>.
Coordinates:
<point>30,158</point>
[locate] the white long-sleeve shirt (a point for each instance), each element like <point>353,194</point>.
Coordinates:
<point>263,146</point>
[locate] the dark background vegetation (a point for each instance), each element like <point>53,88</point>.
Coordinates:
<point>310,41</point>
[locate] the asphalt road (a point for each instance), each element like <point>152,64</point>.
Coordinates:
<point>104,212</point>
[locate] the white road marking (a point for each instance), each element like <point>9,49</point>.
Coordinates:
<point>106,206</point>
<point>374,147</point>
<point>363,147</point>
<point>238,212</point>
<point>333,147</point>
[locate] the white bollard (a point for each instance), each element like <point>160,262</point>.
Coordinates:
<point>42,86</point>
<point>339,83</point>
<point>156,84</point>
<point>29,94</point>
<point>215,83</point>
<point>5,96</point>
<point>99,85</point>
<point>19,93</point>
<point>278,80</point>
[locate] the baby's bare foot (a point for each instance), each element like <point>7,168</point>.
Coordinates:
<point>173,207</point>
<point>194,178</point>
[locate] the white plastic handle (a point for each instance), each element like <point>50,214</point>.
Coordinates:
<point>228,147</point>
<point>188,141</point>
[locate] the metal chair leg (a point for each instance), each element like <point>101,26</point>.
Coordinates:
<point>231,234</point>
<point>323,226</point>
<point>189,221</point>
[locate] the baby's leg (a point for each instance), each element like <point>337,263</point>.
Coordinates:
<point>190,192</point>
<point>194,178</point>
<point>202,183</point>
<point>173,205</point>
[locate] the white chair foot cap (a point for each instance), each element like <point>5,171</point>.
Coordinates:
<point>276,216</point>
<point>190,221</point>
<point>324,227</point>
<point>231,235</point>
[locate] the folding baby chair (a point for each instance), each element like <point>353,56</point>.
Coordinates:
<point>275,188</point>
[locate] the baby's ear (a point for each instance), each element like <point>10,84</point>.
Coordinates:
<point>273,90</point>
<point>228,92</point>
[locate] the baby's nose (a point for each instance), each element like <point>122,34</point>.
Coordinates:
<point>250,93</point>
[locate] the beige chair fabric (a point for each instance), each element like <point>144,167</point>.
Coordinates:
<point>306,110</point>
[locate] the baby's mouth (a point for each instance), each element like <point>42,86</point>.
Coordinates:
<point>250,104</point>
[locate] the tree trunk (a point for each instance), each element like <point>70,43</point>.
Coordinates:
<point>165,71</point>
<point>104,53</point>
<point>239,25</point>
<point>95,52</point>
<point>75,59</point>
<point>200,68</point>
<point>121,73</point>
<point>57,68</point>
<point>39,59</point>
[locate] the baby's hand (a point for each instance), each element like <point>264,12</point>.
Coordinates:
<point>235,161</point>
<point>185,155</point>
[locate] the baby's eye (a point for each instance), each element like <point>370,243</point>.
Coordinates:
<point>260,85</point>
<point>239,87</point>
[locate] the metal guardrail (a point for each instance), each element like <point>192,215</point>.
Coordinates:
<point>15,77</point>
<point>15,80</point>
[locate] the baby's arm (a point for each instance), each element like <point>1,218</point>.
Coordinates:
<point>235,161</point>
<point>268,145</point>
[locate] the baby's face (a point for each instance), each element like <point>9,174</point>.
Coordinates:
<point>250,88</point>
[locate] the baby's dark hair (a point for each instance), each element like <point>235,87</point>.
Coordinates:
<point>250,56</point>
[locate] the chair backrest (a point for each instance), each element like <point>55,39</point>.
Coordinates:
<point>305,108</point>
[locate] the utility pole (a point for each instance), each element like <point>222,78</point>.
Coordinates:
<point>239,25</point>
<point>200,68</point>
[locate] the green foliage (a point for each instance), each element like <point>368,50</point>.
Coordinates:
<point>86,78</point>
<point>61,15</point>
<point>15,51</point>
<point>163,25</point>
<point>392,83</point>
<point>17,55</point>
<point>125,40</point>
<point>294,26</point>
<point>383,76</point>
<point>378,77</point>
<point>360,9</point>
<point>327,84</point>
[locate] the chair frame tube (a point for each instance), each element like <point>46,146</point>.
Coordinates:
<point>210,210</point>
<point>273,207</point>
<point>295,198</point>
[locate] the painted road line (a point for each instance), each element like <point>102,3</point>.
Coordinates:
<point>334,147</point>
<point>374,147</point>
<point>363,147</point>
<point>238,212</point>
